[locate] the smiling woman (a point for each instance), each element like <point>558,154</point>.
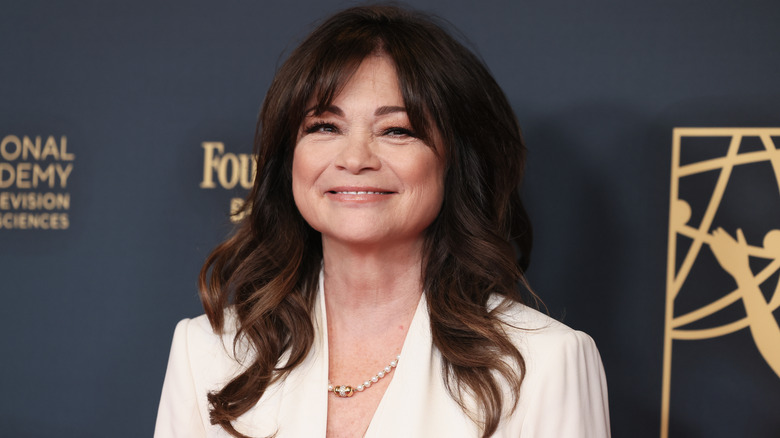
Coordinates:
<point>377,279</point>
<point>359,173</point>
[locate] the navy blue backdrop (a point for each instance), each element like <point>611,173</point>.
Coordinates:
<point>136,88</point>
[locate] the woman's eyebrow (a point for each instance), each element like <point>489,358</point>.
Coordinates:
<point>330,109</point>
<point>383,110</point>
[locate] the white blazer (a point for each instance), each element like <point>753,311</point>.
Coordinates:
<point>564,394</point>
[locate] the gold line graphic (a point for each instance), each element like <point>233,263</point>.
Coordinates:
<point>725,301</point>
<point>731,251</point>
<point>720,187</point>
<point>718,163</point>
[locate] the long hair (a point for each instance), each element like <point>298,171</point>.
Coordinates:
<point>476,248</point>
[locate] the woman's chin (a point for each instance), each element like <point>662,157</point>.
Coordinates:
<point>365,239</point>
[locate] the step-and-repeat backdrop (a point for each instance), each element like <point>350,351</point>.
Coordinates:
<point>653,181</point>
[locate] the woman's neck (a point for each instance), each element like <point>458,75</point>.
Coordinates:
<point>369,289</point>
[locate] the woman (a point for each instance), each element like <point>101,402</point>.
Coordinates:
<point>374,288</point>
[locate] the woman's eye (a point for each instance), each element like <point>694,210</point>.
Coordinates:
<point>399,132</point>
<point>321,127</point>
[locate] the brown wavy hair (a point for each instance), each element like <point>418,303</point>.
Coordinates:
<point>477,247</point>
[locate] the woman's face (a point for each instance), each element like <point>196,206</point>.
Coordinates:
<point>360,175</point>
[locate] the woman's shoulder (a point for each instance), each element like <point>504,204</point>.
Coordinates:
<point>200,361</point>
<point>538,334</point>
<point>564,391</point>
<point>206,348</point>
<point>199,331</point>
<point>199,328</point>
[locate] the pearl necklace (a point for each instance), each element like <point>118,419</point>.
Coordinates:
<point>345,391</point>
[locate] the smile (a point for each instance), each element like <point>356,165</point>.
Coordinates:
<point>358,193</point>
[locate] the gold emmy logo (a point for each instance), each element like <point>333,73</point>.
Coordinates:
<point>694,239</point>
<point>230,169</point>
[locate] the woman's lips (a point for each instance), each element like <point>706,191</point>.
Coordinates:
<point>359,190</point>
<point>358,194</point>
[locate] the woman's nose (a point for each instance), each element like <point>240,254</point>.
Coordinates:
<point>357,154</point>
